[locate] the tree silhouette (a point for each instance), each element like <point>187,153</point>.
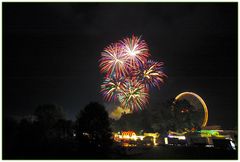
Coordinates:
<point>156,118</point>
<point>185,116</point>
<point>48,115</point>
<point>64,128</point>
<point>10,137</point>
<point>93,128</point>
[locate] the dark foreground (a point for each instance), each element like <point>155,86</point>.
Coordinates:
<point>159,152</point>
<point>171,152</point>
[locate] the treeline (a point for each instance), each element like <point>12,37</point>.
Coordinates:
<point>49,135</point>
<point>171,115</point>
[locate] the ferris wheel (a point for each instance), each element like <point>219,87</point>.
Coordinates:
<point>198,103</point>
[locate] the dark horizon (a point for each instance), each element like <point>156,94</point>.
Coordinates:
<point>51,52</point>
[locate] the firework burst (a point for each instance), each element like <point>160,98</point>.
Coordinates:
<point>151,74</point>
<point>136,50</point>
<point>111,89</point>
<point>134,95</point>
<point>129,74</point>
<point>113,61</point>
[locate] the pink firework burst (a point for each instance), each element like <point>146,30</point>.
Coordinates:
<point>136,50</point>
<point>113,61</point>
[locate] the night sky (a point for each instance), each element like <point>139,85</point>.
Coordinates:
<point>51,52</point>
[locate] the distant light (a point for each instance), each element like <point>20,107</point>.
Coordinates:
<point>85,134</point>
<point>179,137</point>
<point>154,141</point>
<point>233,145</point>
<point>209,146</point>
<point>134,137</point>
<point>166,140</point>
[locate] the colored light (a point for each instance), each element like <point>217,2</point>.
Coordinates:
<point>179,137</point>
<point>166,140</point>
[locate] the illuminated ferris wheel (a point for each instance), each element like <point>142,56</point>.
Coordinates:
<point>198,103</point>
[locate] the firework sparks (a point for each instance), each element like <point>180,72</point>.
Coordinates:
<point>113,61</point>
<point>110,89</point>
<point>136,50</point>
<point>151,74</point>
<point>129,74</point>
<point>134,95</point>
